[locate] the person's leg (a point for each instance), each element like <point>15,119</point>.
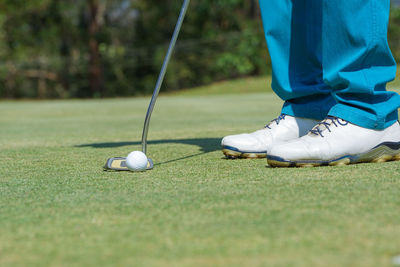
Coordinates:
<point>293,30</point>
<point>357,61</point>
<point>293,33</point>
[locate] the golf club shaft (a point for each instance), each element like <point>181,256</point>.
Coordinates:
<point>162,74</point>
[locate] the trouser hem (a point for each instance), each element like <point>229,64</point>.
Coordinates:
<point>313,107</point>
<point>361,118</point>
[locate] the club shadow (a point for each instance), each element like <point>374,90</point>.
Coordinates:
<point>206,145</point>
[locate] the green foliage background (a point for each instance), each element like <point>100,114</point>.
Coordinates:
<point>44,49</point>
<point>44,45</point>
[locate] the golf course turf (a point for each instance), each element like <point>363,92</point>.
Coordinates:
<point>58,207</point>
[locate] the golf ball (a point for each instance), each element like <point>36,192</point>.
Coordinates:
<point>136,161</point>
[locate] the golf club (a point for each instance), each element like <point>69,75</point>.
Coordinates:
<point>119,163</point>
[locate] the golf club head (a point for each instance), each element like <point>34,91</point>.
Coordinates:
<point>119,164</point>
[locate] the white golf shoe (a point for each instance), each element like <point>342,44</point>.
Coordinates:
<point>337,142</point>
<point>257,144</point>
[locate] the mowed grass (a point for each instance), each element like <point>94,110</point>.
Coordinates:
<point>59,208</point>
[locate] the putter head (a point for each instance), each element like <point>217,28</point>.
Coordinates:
<point>119,164</point>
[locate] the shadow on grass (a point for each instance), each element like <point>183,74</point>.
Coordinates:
<point>206,145</point>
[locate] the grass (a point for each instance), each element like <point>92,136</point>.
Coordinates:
<point>59,208</point>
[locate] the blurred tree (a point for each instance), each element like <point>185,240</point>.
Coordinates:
<point>95,71</point>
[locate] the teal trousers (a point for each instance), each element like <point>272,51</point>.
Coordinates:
<point>331,57</point>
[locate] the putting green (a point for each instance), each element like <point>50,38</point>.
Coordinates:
<point>58,207</point>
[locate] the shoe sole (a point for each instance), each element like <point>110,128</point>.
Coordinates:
<point>233,153</point>
<point>382,153</point>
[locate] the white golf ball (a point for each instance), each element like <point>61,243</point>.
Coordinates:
<point>136,161</point>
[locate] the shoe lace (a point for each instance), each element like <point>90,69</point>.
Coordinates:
<point>277,121</point>
<point>326,124</point>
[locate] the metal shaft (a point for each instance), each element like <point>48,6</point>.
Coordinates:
<point>162,74</point>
